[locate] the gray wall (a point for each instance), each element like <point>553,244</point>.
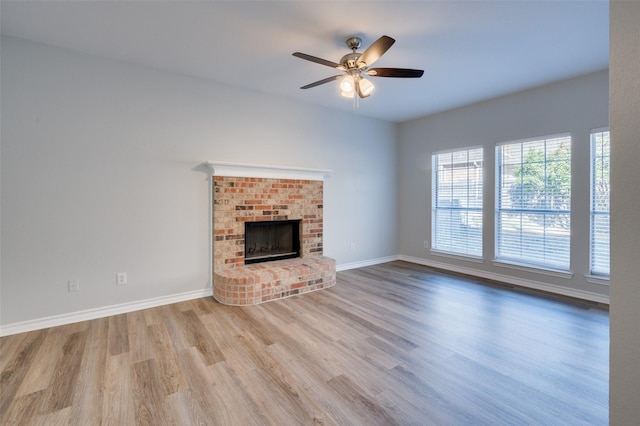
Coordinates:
<point>575,106</point>
<point>100,175</point>
<point>625,228</point>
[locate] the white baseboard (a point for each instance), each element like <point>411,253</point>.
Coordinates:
<point>522,282</point>
<point>89,314</point>
<point>363,263</point>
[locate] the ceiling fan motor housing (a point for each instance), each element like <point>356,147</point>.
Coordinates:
<point>350,61</point>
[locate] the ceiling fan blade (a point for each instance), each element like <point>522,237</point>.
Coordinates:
<point>376,50</point>
<point>323,81</point>
<point>395,72</point>
<point>317,60</point>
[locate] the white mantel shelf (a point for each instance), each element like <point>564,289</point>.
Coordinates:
<point>219,168</point>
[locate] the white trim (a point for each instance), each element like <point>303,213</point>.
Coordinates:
<point>537,139</point>
<point>521,282</point>
<point>558,273</point>
<point>363,263</point>
<point>597,279</point>
<point>468,258</point>
<point>106,311</point>
<point>451,150</point>
<point>219,168</point>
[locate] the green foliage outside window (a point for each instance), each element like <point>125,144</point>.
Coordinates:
<point>544,184</point>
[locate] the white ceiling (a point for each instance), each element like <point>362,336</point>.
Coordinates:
<point>470,50</point>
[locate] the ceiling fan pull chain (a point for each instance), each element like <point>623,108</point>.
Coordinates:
<point>356,102</point>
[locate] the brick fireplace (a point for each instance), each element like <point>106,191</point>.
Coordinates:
<point>248,193</point>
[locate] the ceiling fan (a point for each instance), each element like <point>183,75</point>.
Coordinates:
<point>354,65</point>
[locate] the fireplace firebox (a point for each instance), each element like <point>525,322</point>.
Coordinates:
<point>271,240</point>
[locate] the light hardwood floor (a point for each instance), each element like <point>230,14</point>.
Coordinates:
<point>389,344</point>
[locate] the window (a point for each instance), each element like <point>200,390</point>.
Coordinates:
<point>533,198</point>
<point>457,202</point>
<point>600,145</point>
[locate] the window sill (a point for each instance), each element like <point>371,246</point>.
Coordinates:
<point>597,279</point>
<point>465,257</point>
<point>538,270</point>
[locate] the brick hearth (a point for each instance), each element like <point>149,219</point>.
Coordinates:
<point>262,282</point>
<point>239,199</point>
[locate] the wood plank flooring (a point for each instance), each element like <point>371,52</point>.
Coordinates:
<point>392,344</point>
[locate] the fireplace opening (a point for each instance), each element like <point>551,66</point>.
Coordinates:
<point>271,240</point>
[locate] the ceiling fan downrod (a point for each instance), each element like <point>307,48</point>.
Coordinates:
<point>354,43</point>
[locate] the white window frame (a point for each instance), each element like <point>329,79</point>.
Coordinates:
<point>593,272</point>
<point>438,247</point>
<point>546,265</point>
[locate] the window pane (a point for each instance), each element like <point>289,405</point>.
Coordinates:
<point>457,202</point>
<point>533,217</point>
<point>600,145</point>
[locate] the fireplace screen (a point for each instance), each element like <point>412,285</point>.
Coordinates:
<point>272,240</point>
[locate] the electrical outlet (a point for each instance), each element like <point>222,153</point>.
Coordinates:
<point>121,278</point>
<point>426,244</point>
<point>74,286</point>
<point>353,247</point>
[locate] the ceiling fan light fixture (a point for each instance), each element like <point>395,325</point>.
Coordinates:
<point>349,95</point>
<point>365,88</point>
<point>347,83</point>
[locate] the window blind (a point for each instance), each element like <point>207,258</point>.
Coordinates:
<point>533,202</point>
<point>457,202</point>
<point>600,195</point>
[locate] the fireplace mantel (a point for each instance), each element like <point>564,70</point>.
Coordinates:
<point>219,168</point>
